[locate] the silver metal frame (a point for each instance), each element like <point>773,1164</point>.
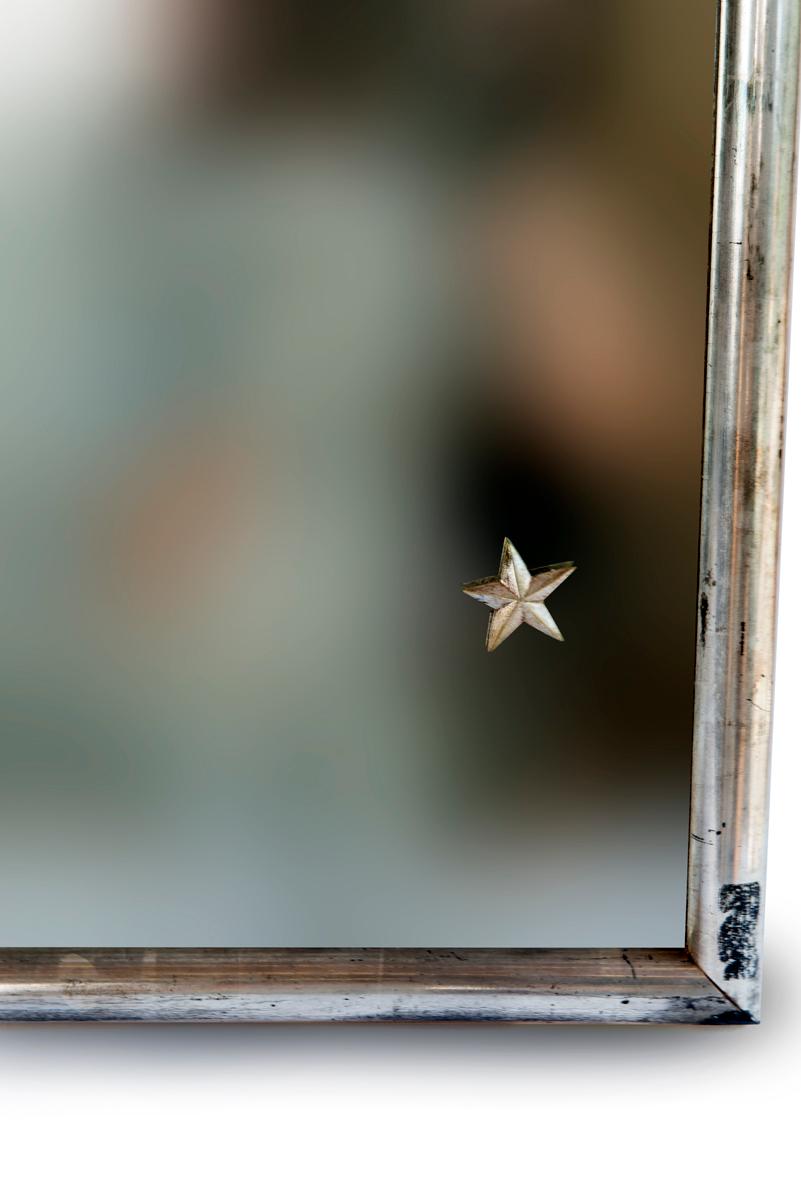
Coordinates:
<point>750,259</point>
<point>716,978</point>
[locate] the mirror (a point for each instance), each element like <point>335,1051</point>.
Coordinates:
<point>329,303</point>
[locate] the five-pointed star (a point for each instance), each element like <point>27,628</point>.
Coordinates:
<point>517,596</point>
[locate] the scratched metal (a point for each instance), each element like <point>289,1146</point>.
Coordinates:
<point>625,986</point>
<point>757,97</point>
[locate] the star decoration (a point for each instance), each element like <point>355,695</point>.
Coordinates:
<point>518,597</point>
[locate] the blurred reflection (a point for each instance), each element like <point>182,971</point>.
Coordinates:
<point>335,300</point>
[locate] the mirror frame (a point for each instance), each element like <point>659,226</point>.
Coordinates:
<point>716,977</point>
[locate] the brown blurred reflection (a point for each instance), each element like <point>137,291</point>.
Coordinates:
<point>345,295</point>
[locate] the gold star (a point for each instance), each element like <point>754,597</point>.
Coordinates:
<point>517,596</point>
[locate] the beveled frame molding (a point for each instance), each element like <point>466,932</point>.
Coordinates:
<point>716,978</point>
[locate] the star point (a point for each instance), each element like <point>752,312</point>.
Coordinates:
<point>517,596</point>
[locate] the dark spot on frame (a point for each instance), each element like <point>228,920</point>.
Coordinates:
<point>752,96</point>
<point>704,612</point>
<point>742,638</point>
<point>737,947</point>
<point>729,1017</point>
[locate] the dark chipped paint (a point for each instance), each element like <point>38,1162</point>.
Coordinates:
<point>752,94</point>
<point>737,943</point>
<point>742,638</point>
<point>704,613</point>
<point>729,1017</point>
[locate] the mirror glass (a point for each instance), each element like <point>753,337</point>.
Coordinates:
<point>305,309</point>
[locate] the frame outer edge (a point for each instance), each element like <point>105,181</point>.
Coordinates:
<point>750,260</point>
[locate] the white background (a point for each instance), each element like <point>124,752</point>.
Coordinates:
<point>99,1111</point>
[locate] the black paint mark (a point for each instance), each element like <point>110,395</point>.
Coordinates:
<point>729,1017</point>
<point>737,935</point>
<point>742,638</point>
<point>704,609</point>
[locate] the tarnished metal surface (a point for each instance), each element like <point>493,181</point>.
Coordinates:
<point>620,986</point>
<point>757,90</point>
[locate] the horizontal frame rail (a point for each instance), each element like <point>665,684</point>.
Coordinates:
<point>585,985</point>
